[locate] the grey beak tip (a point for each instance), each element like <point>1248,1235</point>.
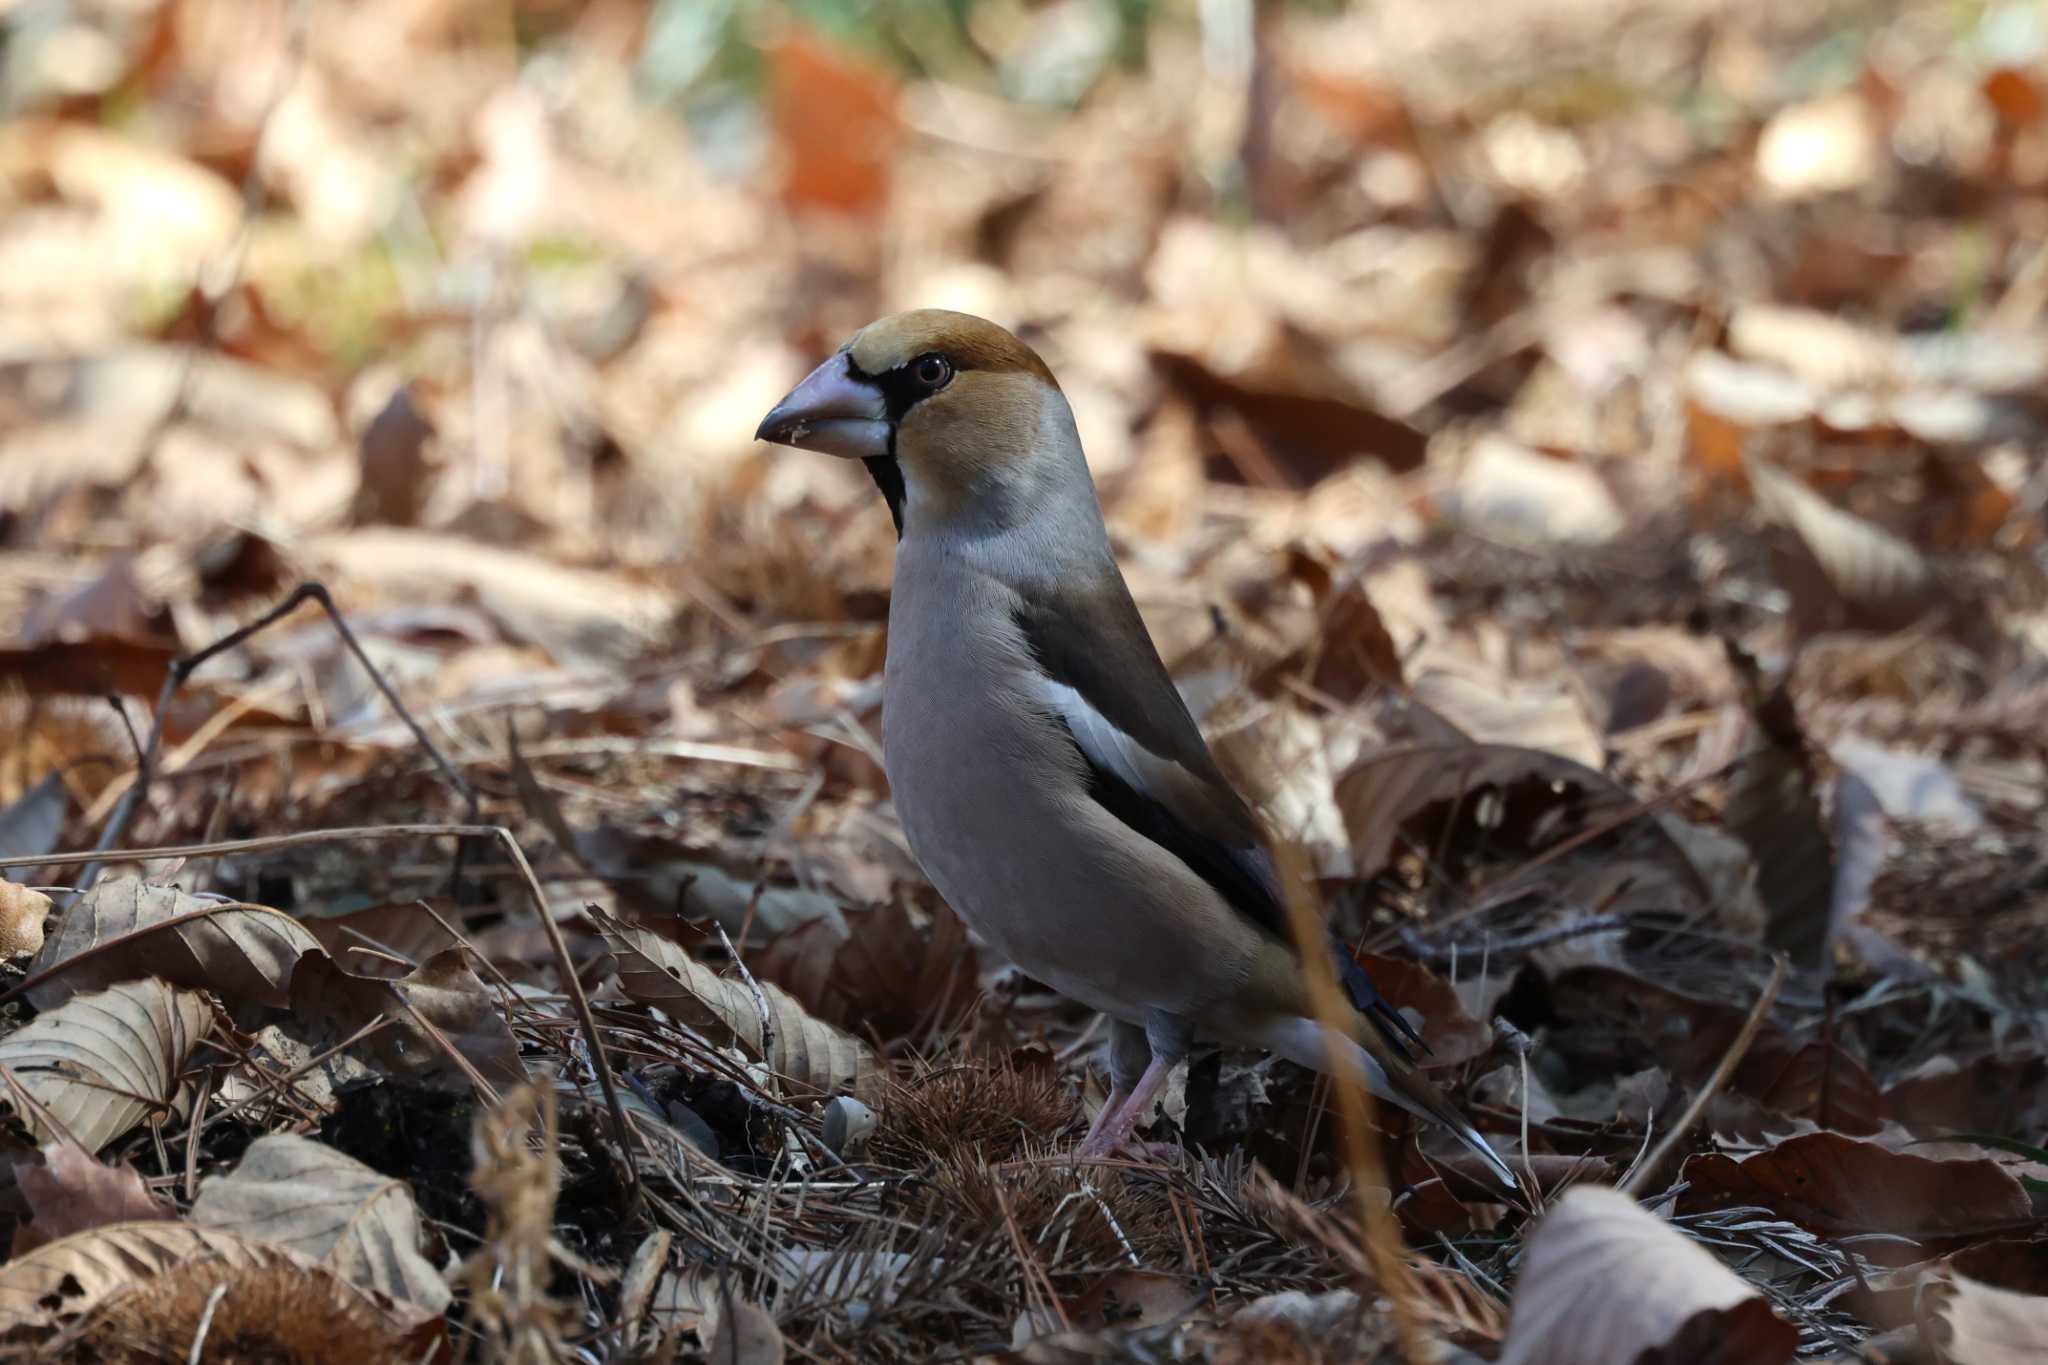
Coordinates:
<point>771,426</point>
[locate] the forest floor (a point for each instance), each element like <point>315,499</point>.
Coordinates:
<point>1582,461</point>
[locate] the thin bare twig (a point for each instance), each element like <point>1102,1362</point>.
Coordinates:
<point>185,666</point>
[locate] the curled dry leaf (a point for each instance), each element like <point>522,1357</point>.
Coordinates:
<point>1381,792</point>
<point>1838,1185</point>
<point>1971,1323</point>
<point>99,1064</point>
<point>768,1024</point>
<point>655,876</point>
<point>127,928</point>
<point>1511,493</point>
<point>68,1191</point>
<point>332,1210</point>
<point>1604,1280</point>
<point>1727,399</point>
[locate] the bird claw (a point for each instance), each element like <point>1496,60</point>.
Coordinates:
<point>1130,1149</point>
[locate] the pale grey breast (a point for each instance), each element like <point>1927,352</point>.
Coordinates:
<point>993,801</point>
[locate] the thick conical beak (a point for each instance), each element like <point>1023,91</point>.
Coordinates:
<point>832,411</point>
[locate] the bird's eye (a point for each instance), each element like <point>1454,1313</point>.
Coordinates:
<point>931,371</point>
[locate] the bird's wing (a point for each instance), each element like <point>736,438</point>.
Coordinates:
<point>1148,765</point>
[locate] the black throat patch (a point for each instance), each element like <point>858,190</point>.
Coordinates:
<point>888,476</point>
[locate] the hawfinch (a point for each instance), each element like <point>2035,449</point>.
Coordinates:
<point>1048,775</point>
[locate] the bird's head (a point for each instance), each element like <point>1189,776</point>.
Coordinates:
<point>949,411</point>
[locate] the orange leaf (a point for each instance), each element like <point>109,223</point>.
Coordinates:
<point>836,121</point>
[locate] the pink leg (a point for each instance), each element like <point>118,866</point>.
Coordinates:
<point>1116,1099</point>
<point>1112,1135</point>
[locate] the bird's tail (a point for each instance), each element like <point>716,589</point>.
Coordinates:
<point>1391,1078</point>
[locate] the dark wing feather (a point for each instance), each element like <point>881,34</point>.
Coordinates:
<point>1170,789</point>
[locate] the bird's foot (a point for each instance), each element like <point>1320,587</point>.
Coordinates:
<point>1130,1149</point>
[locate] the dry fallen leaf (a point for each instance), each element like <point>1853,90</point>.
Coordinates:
<point>1382,791</point>
<point>1604,1280</point>
<point>33,823</point>
<point>738,1331</point>
<point>332,1210</point>
<point>765,1021</point>
<point>835,118</point>
<point>1883,582</point>
<point>69,1192</point>
<point>1453,1035</point>
<point>128,928</point>
<point>1839,1185</point>
<point>1972,1323</point>
<point>444,991</point>
<point>584,617</point>
<point>99,1064</point>
<point>62,1281</point>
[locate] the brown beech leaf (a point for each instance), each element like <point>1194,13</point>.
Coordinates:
<point>896,971</point>
<point>1349,654</point>
<point>1604,1280</point>
<point>2003,1091</point>
<point>1453,1035</point>
<point>99,1064</point>
<point>331,1209</point>
<point>1131,1297</point>
<point>363,942</point>
<point>1822,1083</point>
<point>769,1026</point>
<point>1972,1323</point>
<point>1727,400</point>
<point>1293,426</point>
<point>68,1191</point>
<point>1839,1185</point>
<point>123,929</point>
<point>1882,582</point>
<point>444,991</point>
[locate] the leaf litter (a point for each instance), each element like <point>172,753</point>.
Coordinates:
<point>1594,504</point>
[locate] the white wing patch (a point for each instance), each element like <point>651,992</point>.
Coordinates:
<point>1106,746</point>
